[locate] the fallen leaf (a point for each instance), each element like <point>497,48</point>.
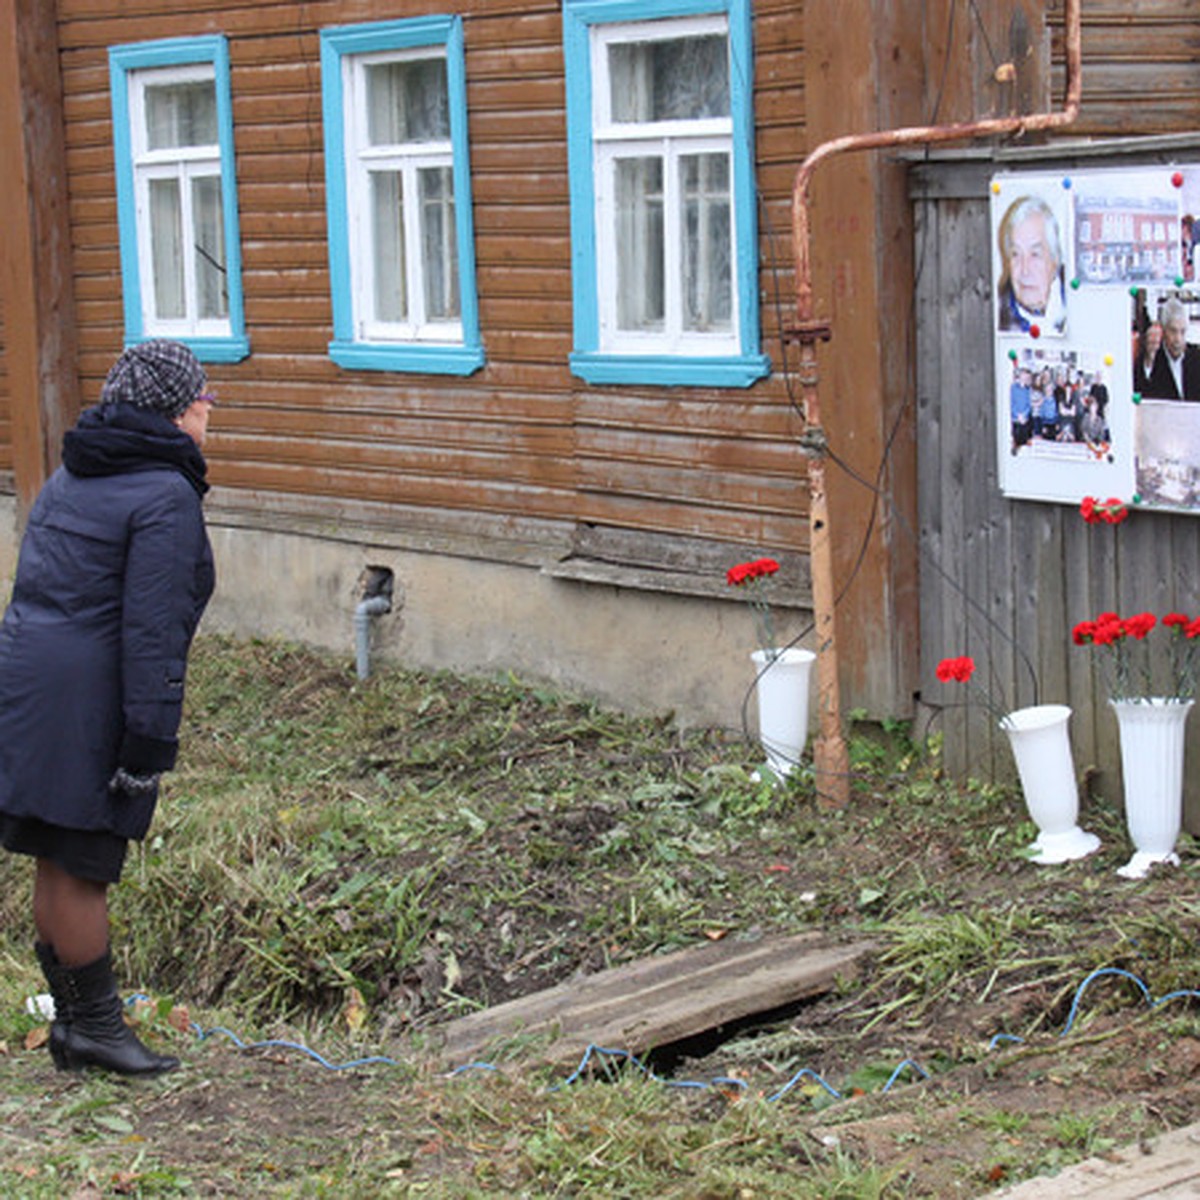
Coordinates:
<point>715,935</point>
<point>355,1011</point>
<point>37,1037</point>
<point>779,868</point>
<point>179,1018</point>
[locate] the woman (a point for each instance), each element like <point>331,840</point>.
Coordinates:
<point>114,572</point>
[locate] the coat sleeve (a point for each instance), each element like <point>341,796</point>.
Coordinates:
<point>161,607</point>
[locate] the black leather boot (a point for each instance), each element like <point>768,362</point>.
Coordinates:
<point>52,969</point>
<point>96,1034</point>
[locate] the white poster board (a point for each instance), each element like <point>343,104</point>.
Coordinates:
<point>1097,335</point>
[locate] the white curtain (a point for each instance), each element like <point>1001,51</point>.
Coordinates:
<point>641,298</point>
<point>166,249</point>
<point>387,229</point>
<point>212,299</point>
<point>707,242</point>
<point>439,244</point>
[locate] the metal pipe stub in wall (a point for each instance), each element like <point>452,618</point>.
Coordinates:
<point>378,584</point>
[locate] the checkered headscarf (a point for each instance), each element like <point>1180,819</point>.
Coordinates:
<point>160,375</point>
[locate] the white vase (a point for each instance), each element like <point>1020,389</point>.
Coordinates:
<point>1152,741</point>
<point>782,687</point>
<point>1042,747</point>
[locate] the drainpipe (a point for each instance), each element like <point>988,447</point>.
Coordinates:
<point>377,600</point>
<point>830,758</point>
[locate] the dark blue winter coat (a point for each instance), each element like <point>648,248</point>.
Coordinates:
<point>114,572</point>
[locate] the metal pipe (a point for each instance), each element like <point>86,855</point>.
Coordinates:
<point>830,757</point>
<point>364,612</point>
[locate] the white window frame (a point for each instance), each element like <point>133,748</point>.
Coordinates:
<point>131,69</point>
<point>409,160</point>
<point>360,340</point>
<point>603,353</point>
<point>667,141</point>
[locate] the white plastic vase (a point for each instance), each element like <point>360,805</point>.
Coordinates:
<point>1152,741</point>
<point>782,689</point>
<point>1042,747</point>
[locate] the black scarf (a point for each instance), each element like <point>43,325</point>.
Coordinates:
<point>112,439</point>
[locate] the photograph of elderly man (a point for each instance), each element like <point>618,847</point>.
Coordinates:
<point>1175,374</point>
<point>1030,289</point>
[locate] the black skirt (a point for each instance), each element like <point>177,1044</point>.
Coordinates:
<point>92,854</point>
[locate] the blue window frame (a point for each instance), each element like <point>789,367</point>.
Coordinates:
<point>398,197</point>
<point>176,188</point>
<point>663,221</point>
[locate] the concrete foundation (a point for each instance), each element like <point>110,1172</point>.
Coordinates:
<point>643,652</point>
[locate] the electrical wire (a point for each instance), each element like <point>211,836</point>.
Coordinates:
<point>604,1057</point>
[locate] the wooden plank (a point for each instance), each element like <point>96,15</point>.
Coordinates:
<point>1166,1165</point>
<point>652,1002</point>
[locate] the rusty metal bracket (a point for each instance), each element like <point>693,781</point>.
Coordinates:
<point>813,440</point>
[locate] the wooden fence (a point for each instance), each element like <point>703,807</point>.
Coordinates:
<point>1006,580</point>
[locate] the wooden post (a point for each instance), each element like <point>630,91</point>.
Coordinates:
<point>36,278</point>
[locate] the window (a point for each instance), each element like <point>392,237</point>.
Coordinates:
<point>662,192</point>
<point>401,244</point>
<point>176,195</point>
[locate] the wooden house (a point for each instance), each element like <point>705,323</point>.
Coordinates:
<point>498,298</point>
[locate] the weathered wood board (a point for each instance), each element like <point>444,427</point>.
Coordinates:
<point>651,1002</point>
<point>1167,1167</point>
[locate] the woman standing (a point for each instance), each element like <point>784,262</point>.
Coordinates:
<point>114,572</point>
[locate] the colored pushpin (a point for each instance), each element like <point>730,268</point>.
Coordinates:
<point>1013,355</point>
<point>995,187</point>
<point>1177,179</point>
<point>1108,360</point>
<point>1133,291</point>
<point>1035,331</point>
<point>1075,284</point>
<point>1136,397</point>
<point>1066,181</point>
<point>1136,498</point>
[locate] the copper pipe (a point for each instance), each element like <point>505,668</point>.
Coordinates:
<point>830,757</point>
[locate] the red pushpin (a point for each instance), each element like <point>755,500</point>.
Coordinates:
<point>1035,331</point>
<point>1177,179</point>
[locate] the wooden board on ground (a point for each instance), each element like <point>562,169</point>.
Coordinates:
<point>1166,1166</point>
<point>652,1002</point>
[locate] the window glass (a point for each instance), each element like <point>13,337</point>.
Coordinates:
<point>676,80</point>
<point>707,262</point>
<point>407,102</point>
<point>166,249</point>
<point>438,243</point>
<point>387,217</point>
<point>181,114</point>
<point>208,220</point>
<point>641,297</point>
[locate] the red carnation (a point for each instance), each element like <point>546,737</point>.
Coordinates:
<point>955,670</point>
<point>1140,625</point>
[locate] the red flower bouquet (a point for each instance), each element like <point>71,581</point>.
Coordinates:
<point>1103,512</point>
<point>1128,663</point>
<point>751,577</point>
